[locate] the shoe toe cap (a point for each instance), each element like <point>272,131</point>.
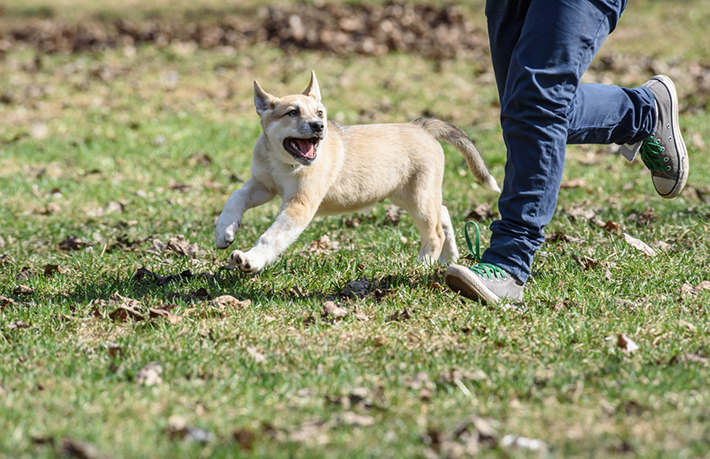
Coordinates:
<point>665,186</point>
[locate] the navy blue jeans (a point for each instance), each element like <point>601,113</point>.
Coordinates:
<point>540,49</point>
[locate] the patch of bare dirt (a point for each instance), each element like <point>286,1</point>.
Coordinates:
<point>437,33</point>
<point>434,32</point>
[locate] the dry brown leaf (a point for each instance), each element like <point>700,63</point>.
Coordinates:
<point>404,314</point>
<point>455,375</point>
<point>81,450</point>
<point>627,303</point>
<point>144,273</point>
<point>626,344</point>
<point>586,263</point>
<point>178,428</point>
<point>688,291</point>
<point>4,302</point>
<point>313,430</point>
<point>562,304</point>
<point>580,212</point>
<point>53,269</point>
<point>662,246</point>
<point>149,375</point>
<point>124,301</point>
<point>176,423</point>
<point>178,245</point>
<point>530,444</point>
<point>639,245</point>
<point>352,419</point>
<point>558,236</point>
<point>114,206</point>
<point>22,290</point>
<point>425,394</point>
<point>647,216</point>
<point>74,243</point>
<point>18,325</point>
<point>53,208</point>
<point>612,227</point>
<point>321,245</point>
<point>122,313</point>
<point>245,438</point>
<point>174,319</point>
<point>228,301</point>
<point>179,186</point>
<point>688,325</point>
<point>256,355</point>
<point>465,440</point>
<point>688,358</point>
<point>155,313</point>
<point>24,274</point>
<point>481,212</point>
<point>330,309</point>
<point>361,316</point>
<point>392,215</point>
<point>360,397</point>
<point>352,222</point>
<point>419,381</point>
<point>578,182</point>
<point>114,349</point>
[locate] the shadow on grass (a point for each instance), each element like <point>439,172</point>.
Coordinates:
<point>274,285</point>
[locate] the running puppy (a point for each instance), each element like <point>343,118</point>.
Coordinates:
<point>321,167</point>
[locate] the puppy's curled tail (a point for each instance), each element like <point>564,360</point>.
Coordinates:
<point>442,130</point>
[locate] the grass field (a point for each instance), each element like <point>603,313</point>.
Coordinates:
<point>121,335</point>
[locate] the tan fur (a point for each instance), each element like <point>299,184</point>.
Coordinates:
<point>354,168</point>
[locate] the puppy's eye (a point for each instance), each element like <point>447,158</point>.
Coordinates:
<point>293,112</point>
<point>320,113</point>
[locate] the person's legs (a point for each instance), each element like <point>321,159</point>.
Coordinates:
<point>540,49</point>
<point>605,114</point>
<point>557,42</point>
<point>505,24</point>
<point>644,119</point>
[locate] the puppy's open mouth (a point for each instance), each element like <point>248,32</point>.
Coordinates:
<point>302,150</point>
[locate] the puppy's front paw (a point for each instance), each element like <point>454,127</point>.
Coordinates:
<point>246,262</point>
<point>225,233</point>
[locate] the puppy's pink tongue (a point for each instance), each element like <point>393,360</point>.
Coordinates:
<point>306,148</point>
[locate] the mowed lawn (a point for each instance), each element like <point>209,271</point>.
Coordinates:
<point>122,335</point>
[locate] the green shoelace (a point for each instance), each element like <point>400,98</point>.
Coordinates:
<point>651,151</point>
<point>481,268</point>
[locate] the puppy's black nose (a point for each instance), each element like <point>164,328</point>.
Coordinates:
<point>317,126</point>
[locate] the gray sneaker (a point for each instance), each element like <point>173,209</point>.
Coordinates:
<point>664,153</point>
<point>484,282</point>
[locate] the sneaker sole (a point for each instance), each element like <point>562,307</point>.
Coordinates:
<point>460,279</point>
<point>681,150</point>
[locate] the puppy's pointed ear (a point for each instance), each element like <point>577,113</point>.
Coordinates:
<point>262,99</point>
<point>313,90</point>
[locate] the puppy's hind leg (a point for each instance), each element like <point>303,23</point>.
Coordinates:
<point>450,252</point>
<point>427,220</point>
